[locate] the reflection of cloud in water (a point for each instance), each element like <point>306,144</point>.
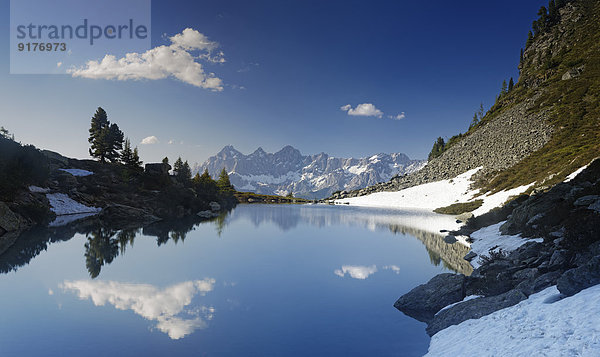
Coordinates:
<point>150,302</point>
<point>394,268</point>
<point>356,271</point>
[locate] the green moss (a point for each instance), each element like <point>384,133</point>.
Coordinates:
<point>458,208</point>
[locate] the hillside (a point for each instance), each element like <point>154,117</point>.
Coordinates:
<point>542,130</point>
<point>306,176</point>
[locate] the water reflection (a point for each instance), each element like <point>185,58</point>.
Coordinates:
<point>169,307</point>
<point>105,242</point>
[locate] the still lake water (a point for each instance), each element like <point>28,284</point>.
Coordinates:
<point>264,280</point>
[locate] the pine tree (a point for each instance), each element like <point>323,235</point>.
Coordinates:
<point>438,148</point>
<point>474,122</point>
<point>114,143</point>
<point>205,185</point>
<point>511,84</point>
<point>521,56</point>
<point>98,134</point>
<point>106,139</point>
<point>177,166</point>
<point>136,163</point>
<point>223,183</point>
<point>481,111</point>
<point>543,20</point>
<point>504,88</point>
<point>552,12</point>
<point>127,153</point>
<point>165,160</point>
<point>529,39</point>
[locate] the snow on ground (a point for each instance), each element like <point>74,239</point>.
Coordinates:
<point>77,172</point>
<point>63,204</point>
<point>543,325</point>
<point>436,194</point>
<point>575,173</point>
<point>490,238</point>
<point>467,298</point>
<point>36,189</point>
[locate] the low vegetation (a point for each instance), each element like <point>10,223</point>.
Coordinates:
<point>458,208</point>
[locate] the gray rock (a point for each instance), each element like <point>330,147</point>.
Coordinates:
<point>595,206</point>
<point>9,221</point>
<point>425,300</point>
<point>450,239</point>
<point>158,168</point>
<point>207,214</point>
<point>558,259</point>
<point>470,256</point>
<point>473,309</point>
<point>532,286</point>
<point>576,279</point>
<point>587,200</point>
<point>214,206</point>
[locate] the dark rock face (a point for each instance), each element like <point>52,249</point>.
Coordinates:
<point>425,300</point>
<point>158,168</point>
<point>576,279</point>
<point>473,309</point>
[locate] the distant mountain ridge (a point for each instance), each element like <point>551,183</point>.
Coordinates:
<point>308,176</point>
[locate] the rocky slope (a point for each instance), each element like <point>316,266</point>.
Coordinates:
<point>306,176</point>
<point>543,129</point>
<point>555,106</point>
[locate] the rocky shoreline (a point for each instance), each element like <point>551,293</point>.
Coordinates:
<point>567,217</point>
<point>81,188</point>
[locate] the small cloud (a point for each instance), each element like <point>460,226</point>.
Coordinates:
<point>360,272</point>
<point>50,292</point>
<point>394,268</point>
<point>58,64</point>
<point>365,110</point>
<point>150,140</point>
<point>171,142</point>
<point>398,116</point>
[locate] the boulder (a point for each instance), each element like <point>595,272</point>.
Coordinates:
<point>158,168</point>
<point>576,279</point>
<point>425,300</point>
<point>9,221</point>
<point>207,214</point>
<point>473,309</point>
<point>532,286</point>
<point>214,206</point>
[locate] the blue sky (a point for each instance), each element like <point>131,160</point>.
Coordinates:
<point>289,68</point>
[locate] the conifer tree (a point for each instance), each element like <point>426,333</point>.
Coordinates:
<point>529,39</point>
<point>98,133</point>
<point>475,121</point>
<point>223,183</point>
<point>165,160</point>
<point>177,166</point>
<point>521,56</point>
<point>127,153</point>
<point>106,139</point>
<point>552,13</point>
<point>511,84</point>
<point>481,111</point>
<point>504,88</point>
<point>438,148</point>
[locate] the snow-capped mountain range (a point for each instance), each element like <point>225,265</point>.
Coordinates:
<point>313,176</point>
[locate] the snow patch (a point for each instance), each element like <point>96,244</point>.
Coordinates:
<point>544,324</point>
<point>36,189</point>
<point>490,238</point>
<point>63,204</point>
<point>77,172</point>
<point>437,194</point>
<point>575,173</point>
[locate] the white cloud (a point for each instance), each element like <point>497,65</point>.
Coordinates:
<point>365,109</point>
<point>150,302</point>
<point>356,271</point>
<point>161,62</point>
<point>394,268</point>
<point>398,116</point>
<point>58,64</point>
<point>150,140</point>
<point>171,142</point>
